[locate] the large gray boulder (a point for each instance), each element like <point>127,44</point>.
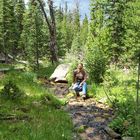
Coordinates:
<point>60,73</point>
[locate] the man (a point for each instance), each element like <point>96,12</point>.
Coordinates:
<point>79,81</point>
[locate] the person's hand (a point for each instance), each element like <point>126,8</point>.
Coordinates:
<point>81,84</point>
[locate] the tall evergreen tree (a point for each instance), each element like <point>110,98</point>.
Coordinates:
<point>69,33</point>
<point>7,28</point>
<point>76,18</point>
<point>60,25</point>
<point>115,11</point>
<point>64,30</point>
<point>19,11</point>
<point>32,35</point>
<point>97,42</point>
<point>132,34</point>
<point>84,30</point>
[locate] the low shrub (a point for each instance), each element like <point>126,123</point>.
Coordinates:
<point>11,91</point>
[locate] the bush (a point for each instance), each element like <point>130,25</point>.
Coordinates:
<point>11,91</point>
<point>124,123</point>
<point>96,65</point>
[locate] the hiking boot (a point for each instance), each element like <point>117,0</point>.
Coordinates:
<point>84,96</point>
<point>77,94</point>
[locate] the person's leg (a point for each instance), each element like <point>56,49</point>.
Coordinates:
<point>76,88</point>
<point>84,88</point>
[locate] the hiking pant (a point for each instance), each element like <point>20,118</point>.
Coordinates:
<point>79,88</point>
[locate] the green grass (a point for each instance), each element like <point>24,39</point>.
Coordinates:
<point>116,84</point>
<point>46,71</point>
<point>6,66</point>
<point>28,82</point>
<point>11,66</point>
<point>47,121</point>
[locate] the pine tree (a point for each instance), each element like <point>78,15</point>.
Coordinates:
<point>84,31</point>
<point>60,32</point>
<point>69,33</point>
<point>7,28</point>
<point>132,34</point>
<point>32,39</point>
<point>115,10</point>
<point>97,42</point>
<point>64,30</point>
<point>76,18</point>
<point>19,11</point>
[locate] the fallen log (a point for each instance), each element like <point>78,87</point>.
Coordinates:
<point>14,117</point>
<point>8,69</point>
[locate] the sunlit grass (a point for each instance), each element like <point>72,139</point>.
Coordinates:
<point>46,122</point>
<point>10,66</point>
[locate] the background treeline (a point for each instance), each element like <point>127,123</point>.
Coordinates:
<point>25,34</point>
<point>111,36</point>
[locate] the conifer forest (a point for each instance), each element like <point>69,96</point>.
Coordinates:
<point>45,45</point>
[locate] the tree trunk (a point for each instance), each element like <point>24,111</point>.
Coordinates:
<point>53,47</point>
<point>137,117</point>
<point>36,46</point>
<point>5,51</point>
<point>138,84</point>
<point>37,58</point>
<point>52,29</point>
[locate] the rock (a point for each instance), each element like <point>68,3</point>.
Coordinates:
<point>112,133</point>
<point>89,130</point>
<point>90,135</point>
<point>106,115</point>
<point>83,136</point>
<point>103,100</point>
<point>60,73</point>
<point>99,119</point>
<point>80,129</point>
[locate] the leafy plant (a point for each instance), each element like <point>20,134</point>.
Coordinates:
<point>11,91</point>
<point>96,65</point>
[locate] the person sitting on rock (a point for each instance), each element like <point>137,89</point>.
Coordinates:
<point>79,81</point>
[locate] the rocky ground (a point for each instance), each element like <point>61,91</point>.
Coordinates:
<point>90,118</point>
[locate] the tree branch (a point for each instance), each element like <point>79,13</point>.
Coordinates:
<point>45,15</point>
<point>50,3</point>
